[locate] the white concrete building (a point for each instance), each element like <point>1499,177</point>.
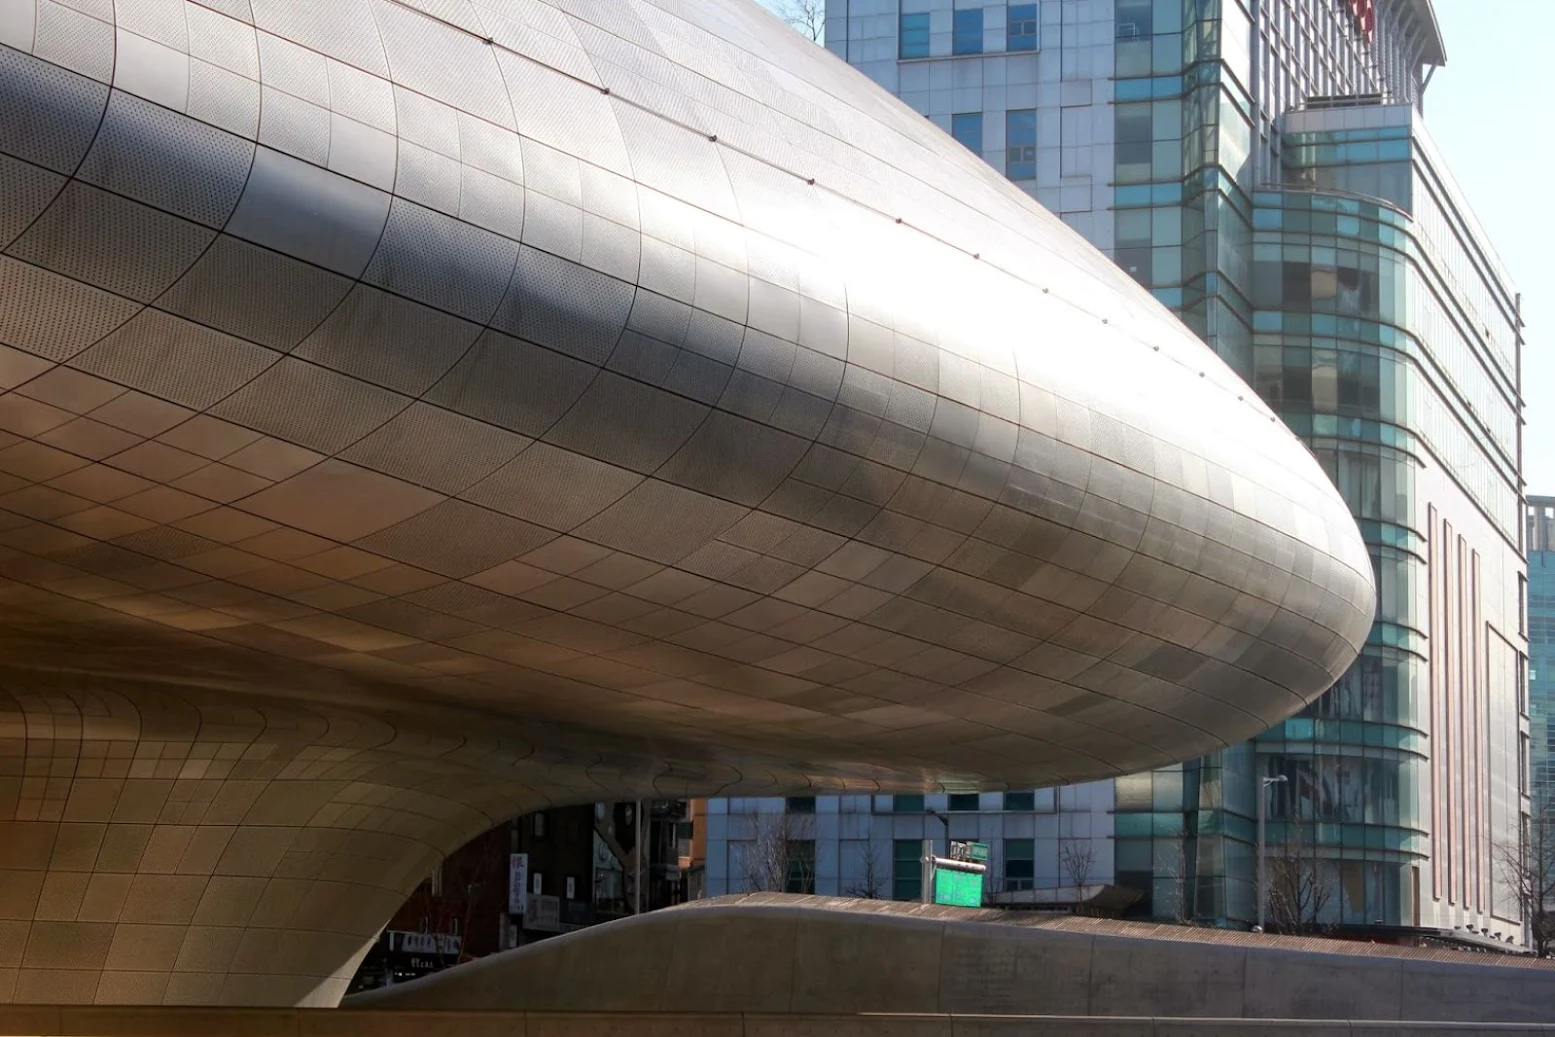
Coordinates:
<point>870,845</point>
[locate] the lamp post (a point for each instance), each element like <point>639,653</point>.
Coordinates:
<point>942,819</point>
<point>928,856</point>
<point>1263,788</point>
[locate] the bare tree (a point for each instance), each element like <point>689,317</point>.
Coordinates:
<point>1299,887</point>
<point>808,17</point>
<point>775,857</point>
<point>873,876</point>
<point>1175,870</point>
<point>1527,872</point>
<point>1077,859</point>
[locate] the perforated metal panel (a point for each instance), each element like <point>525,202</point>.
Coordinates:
<point>29,190</point>
<point>389,340</point>
<point>103,239</point>
<point>731,420</point>
<point>234,285</point>
<point>176,359</point>
<point>48,115</point>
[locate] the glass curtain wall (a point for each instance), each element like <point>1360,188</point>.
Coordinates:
<point>1330,283</point>
<point>1183,229</point>
<point>1540,622</point>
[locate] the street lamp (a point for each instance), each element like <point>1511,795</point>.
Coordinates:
<point>942,819</point>
<point>1263,788</point>
<point>928,856</point>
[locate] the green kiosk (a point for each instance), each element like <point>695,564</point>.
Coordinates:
<point>956,880</point>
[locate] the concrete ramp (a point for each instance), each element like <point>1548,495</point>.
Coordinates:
<point>812,955</point>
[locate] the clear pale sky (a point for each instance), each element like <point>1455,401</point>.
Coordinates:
<point>1485,109</point>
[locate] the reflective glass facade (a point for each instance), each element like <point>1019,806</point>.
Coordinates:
<point>1408,773</point>
<point>1540,620</point>
<point>1263,170</point>
<point>1310,237</point>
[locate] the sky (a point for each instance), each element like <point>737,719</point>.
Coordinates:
<point>1485,111</point>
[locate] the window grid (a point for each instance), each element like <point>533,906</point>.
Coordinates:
<point>1020,139</point>
<point>906,869</point>
<point>1021,32</point>
<point>967,31</point>
<point>967,127</point>
<point>1020,866</point>
<point>913,38</point>
<point>801,866</point>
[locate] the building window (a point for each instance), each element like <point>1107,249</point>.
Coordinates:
<point>906,869</point>
<point>801,866</point>
<point>1020,801</point>
<point>1022,34</point>
<point>907,804</point>
<point>1522,605</point>
<point>968,129</point>
<point>540,825</point>
<point>963,801</point>
<point>1522,764</point>
<point>1133,140</point>
<point>967,32</point>
<point>1020,864</point>
<point>1135,18</point>
<point>1020,140</point>
<point>800,804</point>
<point>913,42</point>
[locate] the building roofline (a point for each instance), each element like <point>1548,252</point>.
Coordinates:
<point>1433,50</point>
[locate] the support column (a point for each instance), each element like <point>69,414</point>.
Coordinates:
<point>162,845</point>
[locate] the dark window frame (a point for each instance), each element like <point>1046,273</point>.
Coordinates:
<point>1023,28</point>
<point>912,38</point>
<point>966,31</point>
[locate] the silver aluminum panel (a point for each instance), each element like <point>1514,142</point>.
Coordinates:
<point>416,412</point>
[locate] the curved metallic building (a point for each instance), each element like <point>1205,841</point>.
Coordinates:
<point>418,411</point>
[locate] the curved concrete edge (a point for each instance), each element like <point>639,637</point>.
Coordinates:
<point>73,1021</point>
<point>807,958</point>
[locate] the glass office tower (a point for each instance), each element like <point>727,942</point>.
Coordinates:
<point>1541,650</point>
<point>1263,168</point>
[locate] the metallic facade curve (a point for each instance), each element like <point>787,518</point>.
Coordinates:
<point>420,410</point>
